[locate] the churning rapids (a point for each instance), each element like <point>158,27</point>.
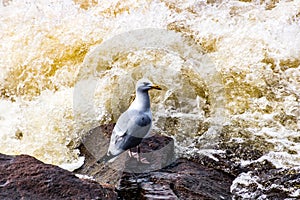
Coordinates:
<point>230,72</point>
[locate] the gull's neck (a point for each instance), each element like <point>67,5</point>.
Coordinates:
<point>141,101</point>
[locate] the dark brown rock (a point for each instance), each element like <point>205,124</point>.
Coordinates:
<point>270,182</point>
<point>101,173</point>
<point>94,146</point>
<point>163,178</point>
<point>183,179</point>
<point>24,177</point>
<point>157,149</point>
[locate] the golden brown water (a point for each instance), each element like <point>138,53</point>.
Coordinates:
<point>227,68</point>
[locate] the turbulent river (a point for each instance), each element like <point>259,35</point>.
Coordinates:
<point>230,73</point>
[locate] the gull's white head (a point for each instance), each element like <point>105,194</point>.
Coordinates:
<point>143,85</point>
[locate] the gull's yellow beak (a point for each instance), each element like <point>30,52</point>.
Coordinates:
<point>155,87</point>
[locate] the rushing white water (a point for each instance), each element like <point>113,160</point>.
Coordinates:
<point>227,68</point>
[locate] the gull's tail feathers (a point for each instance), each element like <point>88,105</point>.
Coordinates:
<point>106,158</point>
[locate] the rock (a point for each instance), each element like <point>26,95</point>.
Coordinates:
<point>157,149</point>
<point>24,177</point>
<point>101,173</point>
<point>95,145</point>
<point>184,179</point>
<point>217,177</point>
<point>267,182</point>
<point>164,178</point>
<point>259,179</point>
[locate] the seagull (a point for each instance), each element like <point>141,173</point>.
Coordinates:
<point>133,125</point>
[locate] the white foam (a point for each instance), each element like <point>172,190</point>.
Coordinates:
<point>225,47</point>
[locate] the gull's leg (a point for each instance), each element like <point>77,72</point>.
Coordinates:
<point>130,153</point>
<point>139,157</point>
<point>138,153</point>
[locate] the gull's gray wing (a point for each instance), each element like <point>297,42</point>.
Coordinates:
<point>131,127</point>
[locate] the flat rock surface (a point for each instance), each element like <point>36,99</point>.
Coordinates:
<point>24,177</point>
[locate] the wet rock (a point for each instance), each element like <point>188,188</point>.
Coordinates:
<point>101,173</point>
<point>157,150</point>
<point>183,179</point>
<point>267,183</point>
<point>258,179</point>
<point>24,177</point>
<point>94,146</point>
<point>164,177</point>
